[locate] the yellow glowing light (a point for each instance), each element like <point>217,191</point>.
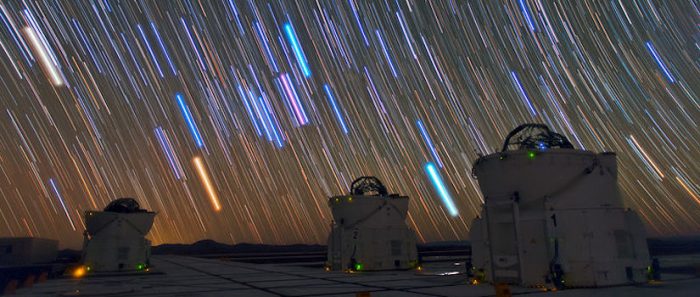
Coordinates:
<point>646,156</point>
<point>41,51</point>
<point>690,192</point>
<point>79,272</point>
<point>204,177</point>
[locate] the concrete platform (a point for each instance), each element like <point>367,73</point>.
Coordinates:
<point>189,276</point>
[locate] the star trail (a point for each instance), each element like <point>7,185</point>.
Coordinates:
<point>235,120</point>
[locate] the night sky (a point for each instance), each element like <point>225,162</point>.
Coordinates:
<point>235,120</point>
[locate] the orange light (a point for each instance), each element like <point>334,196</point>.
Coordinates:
<point>204,177</point>
<point>646,156</point>
<point>79,272</point>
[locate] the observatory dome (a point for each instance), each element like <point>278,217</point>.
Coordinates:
<point>369,231</point>
<point>553,214</point>
<point>114,239</point>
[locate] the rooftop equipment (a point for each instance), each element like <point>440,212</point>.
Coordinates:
<point>553,216</point>
<point>369,231</point>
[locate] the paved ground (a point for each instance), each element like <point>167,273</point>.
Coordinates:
<point>187,276</point>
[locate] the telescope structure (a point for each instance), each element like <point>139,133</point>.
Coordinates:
<point>553,216</point>
<point>114,239</point>
<point>369,231</point>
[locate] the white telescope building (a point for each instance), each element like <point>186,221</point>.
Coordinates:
<point>115,238</point>
<point>553,216</point>
<point>369,231</point>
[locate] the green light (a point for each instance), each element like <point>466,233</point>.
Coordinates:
<point>531,155</point>
<point>140,266</point>
<point>358,266</point>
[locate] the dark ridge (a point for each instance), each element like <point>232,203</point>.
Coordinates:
<point>657,247</point>
<point>203,247</point>
<point>444,246</point>
<point>674,245</point>
<point>208,246</point>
